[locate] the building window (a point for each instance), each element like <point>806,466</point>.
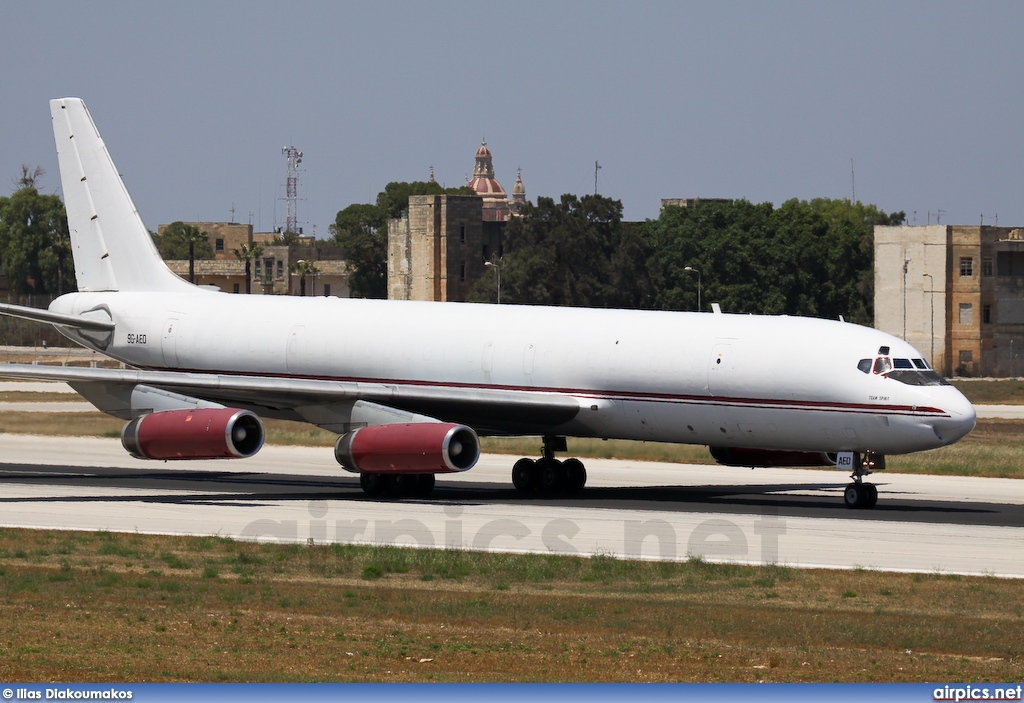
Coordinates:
<point>234,288</point>
<point>268,270</point>
<point>986,314</point>
<point>986,266</point>
<point>966,356</point>
<point>462,272</point>
<point>280,269</point>
<point>485,253</point>
<point>219,245</point>
<point>462,233</point>
<point>256,274</point>
<point>327,289</point>
<point>966,313</point>
<point>966,266</point>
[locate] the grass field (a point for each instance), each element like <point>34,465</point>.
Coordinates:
<point>129,607</point>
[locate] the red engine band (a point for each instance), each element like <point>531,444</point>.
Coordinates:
<point>209,433</point>
<point>412,448</point>
<point>736,456</point>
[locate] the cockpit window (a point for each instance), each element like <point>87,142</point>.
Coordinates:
<point>918,378</point>
<point>913,372</point>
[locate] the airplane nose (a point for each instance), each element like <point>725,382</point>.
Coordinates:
<point>962,418</point>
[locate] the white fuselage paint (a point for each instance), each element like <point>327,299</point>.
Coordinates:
<point>699,378</point>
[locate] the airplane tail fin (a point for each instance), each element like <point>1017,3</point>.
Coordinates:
<point>112,248</point>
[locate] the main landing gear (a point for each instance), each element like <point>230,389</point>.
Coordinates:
<point>398,485</point>
<point>860,494</point>
<point>548,474</point>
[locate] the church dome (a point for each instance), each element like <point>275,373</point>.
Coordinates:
<point>484,184</point>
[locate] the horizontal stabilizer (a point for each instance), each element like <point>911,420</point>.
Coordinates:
<point>79,322</point>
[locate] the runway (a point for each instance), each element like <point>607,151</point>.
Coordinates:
<point>630,509</point>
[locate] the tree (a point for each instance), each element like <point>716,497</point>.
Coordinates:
<point>361,230</point>
<point>304,268</point>
<point>574,252</point>
<point>249,253</point>
<point>184,241</point>
<point>802,258</point>
<point>34,242</point>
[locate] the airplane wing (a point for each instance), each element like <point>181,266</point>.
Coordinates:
<point>325,403</point>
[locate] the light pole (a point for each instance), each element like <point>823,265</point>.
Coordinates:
<point>931,299</point>
<point>497,271</point>
<point>906,265</point>
<point>690,269</point>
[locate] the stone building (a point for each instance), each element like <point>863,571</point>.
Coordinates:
<point>273,272</point>
<point>437,251</point>
<point>956,292</point>
<point>440,248</point>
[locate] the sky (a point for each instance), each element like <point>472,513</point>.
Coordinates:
<point>913,106</point>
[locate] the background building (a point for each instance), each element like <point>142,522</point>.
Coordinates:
<point>273,272</point>
<point>956,292</point>
<point>438,250</point>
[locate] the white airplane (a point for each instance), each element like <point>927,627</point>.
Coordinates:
<point>409,386</point>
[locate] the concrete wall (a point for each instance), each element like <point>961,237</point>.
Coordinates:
<point>913,306</point>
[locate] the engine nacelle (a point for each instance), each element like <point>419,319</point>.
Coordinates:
<point>206,433</point>
<point>738,456</point>
<point>409,448</point>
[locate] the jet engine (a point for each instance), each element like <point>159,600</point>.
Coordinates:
<point>408,448</point>
<point>205,433</point>
<point>738,456</point>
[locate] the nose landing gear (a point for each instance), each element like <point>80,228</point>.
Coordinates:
<point>861,495</point>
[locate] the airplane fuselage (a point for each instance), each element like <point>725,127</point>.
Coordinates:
<point>784,383</point>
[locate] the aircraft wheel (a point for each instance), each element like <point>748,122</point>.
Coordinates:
<point>372,484</point>
<point>424,484</point>
<point>872,495</point>
<point>576,475</point>
<point>854,495</point>
<point>524,475</point>
<point>553,475</point>
<point>403,484</point>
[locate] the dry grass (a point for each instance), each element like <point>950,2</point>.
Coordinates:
<point>105,607</point>
<point>992,391</point>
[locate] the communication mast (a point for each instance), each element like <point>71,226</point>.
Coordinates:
<point>292,189</point>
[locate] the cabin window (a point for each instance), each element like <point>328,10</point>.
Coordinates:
<point>883,364</point>
<point>902,364</point>
<point>921,364</point>
<point>864,365</point>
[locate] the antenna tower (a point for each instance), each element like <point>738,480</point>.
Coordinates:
<point>292,189</point>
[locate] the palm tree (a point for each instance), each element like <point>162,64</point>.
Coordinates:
<point>304,268</point>
<point>249,253</point>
